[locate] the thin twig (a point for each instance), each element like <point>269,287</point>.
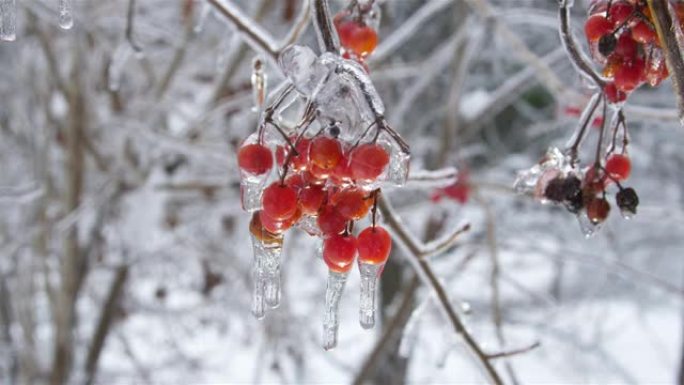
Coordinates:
<point>569,42</point>
<point>428,277</point>
<point>327,35</point>
<point>130,17</point>
<point>257,37</point>
<point>514,352</point>
<point>444,244</point>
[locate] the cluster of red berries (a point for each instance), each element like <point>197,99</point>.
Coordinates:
<point>587,194</point>
<point>624,41</point>
<point>323,184</point>
<point>356,27</point>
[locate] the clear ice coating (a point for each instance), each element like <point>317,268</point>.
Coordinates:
<point>398,168</point>
<point>587,226</point>
<point>370,272</point>
<point>251,186</point>
<point>302,67</point>
<point>266,275</point>
<point>66,18</point>
<point>8,20</point>
<point>527,180</point>
<point>331,322</point>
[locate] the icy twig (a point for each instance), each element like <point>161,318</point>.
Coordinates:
<point>578,58</point>
<point>662,19</point>
<point>432,179</point>
<point>516,46</point>
<point>130,18</point>
<point>328,40</point>
<point>407,29</point>
<point>580,133</point>
<point>256,36</point>
<point>299,26</point>
<point>514,352</point>
<point>441,245</point>
<point>412,249</point>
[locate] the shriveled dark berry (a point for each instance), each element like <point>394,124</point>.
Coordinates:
<point>554,190</point>
<point>575,203</point>
<point>572,187</point>
<point>627,200</point>
<point>334,130</point>
<point>607,44</point>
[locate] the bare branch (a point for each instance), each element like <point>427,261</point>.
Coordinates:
<point>673,54</point>
<point>328,40</point>
<point>428,277</point>
<point>514,352</point>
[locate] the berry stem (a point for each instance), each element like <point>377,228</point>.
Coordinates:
<point>374,210</point>
<point>270,110</point>
<point>587,114</point>
<point>599,144</point>
<point>571,47</point>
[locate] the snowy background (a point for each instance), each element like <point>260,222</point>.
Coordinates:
<point>119,199</point>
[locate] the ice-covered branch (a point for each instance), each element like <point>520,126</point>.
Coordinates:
<point>432,179</point>
<point>578,58</point>
<point>256,36</point>
<point>662,19</point>
<point>412,250</point>
<point>327,35</point>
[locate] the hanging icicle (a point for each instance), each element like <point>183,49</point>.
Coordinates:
<point>66,18</point>
<point>8,20</point>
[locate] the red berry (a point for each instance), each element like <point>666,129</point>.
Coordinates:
<point>357,38</point>
<point>626,48</point>
<point>339,252</point>
<point>619,12</point>
<point>459,191</point>
<point>325,152</point>
<point>613,94</point>
<point>279,201</point>
<point>298,162</point>
<point>276,226</point>
<point>375,245</point>
<point>255,158</point>
<point>595,180</point>
<point>368,161</point>
<point>598,210</point>
<point>296,181</point>
<point>352,203</point>
<point>260,232</point>
<point>628,76</point>
<point>597,26</point>
<point>311,198</point>
<point>330,221</point>
<point>342,174</point>
<point>643,33</point>
<point>618,166</point>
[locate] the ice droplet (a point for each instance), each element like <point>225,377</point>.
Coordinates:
<point>333,293</point>
<point>589,228</point>
<point>369,279</point>
<point>8,20</point>
<point>66,19</point>
<point>204,13</point>
<point>266,274</point>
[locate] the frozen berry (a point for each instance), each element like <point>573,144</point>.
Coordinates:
<point>598,210</point>
<point>596,27</point>
<point>607,44</point>
<point>325,152</point>
<point>255,158</point>
<point>330,221</point>
<point>352,203</point>
<point>339,252</point>
<point>368,161</point>
<point>627,200</point>
<point>375,245</point>
<point>618,166</point>
<point>279,201</point>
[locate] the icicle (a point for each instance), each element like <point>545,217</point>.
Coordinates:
<point>259,83</point>
<point>266,273</point>
<point>204,13</point>
<point>8,15</point>
<point>370,272</point>
<point>66,19</point>
<point>117,65</point>
<point>333,293</point>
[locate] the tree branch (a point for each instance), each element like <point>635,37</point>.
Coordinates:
<point>662,19</point>
<point>428,277</point>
